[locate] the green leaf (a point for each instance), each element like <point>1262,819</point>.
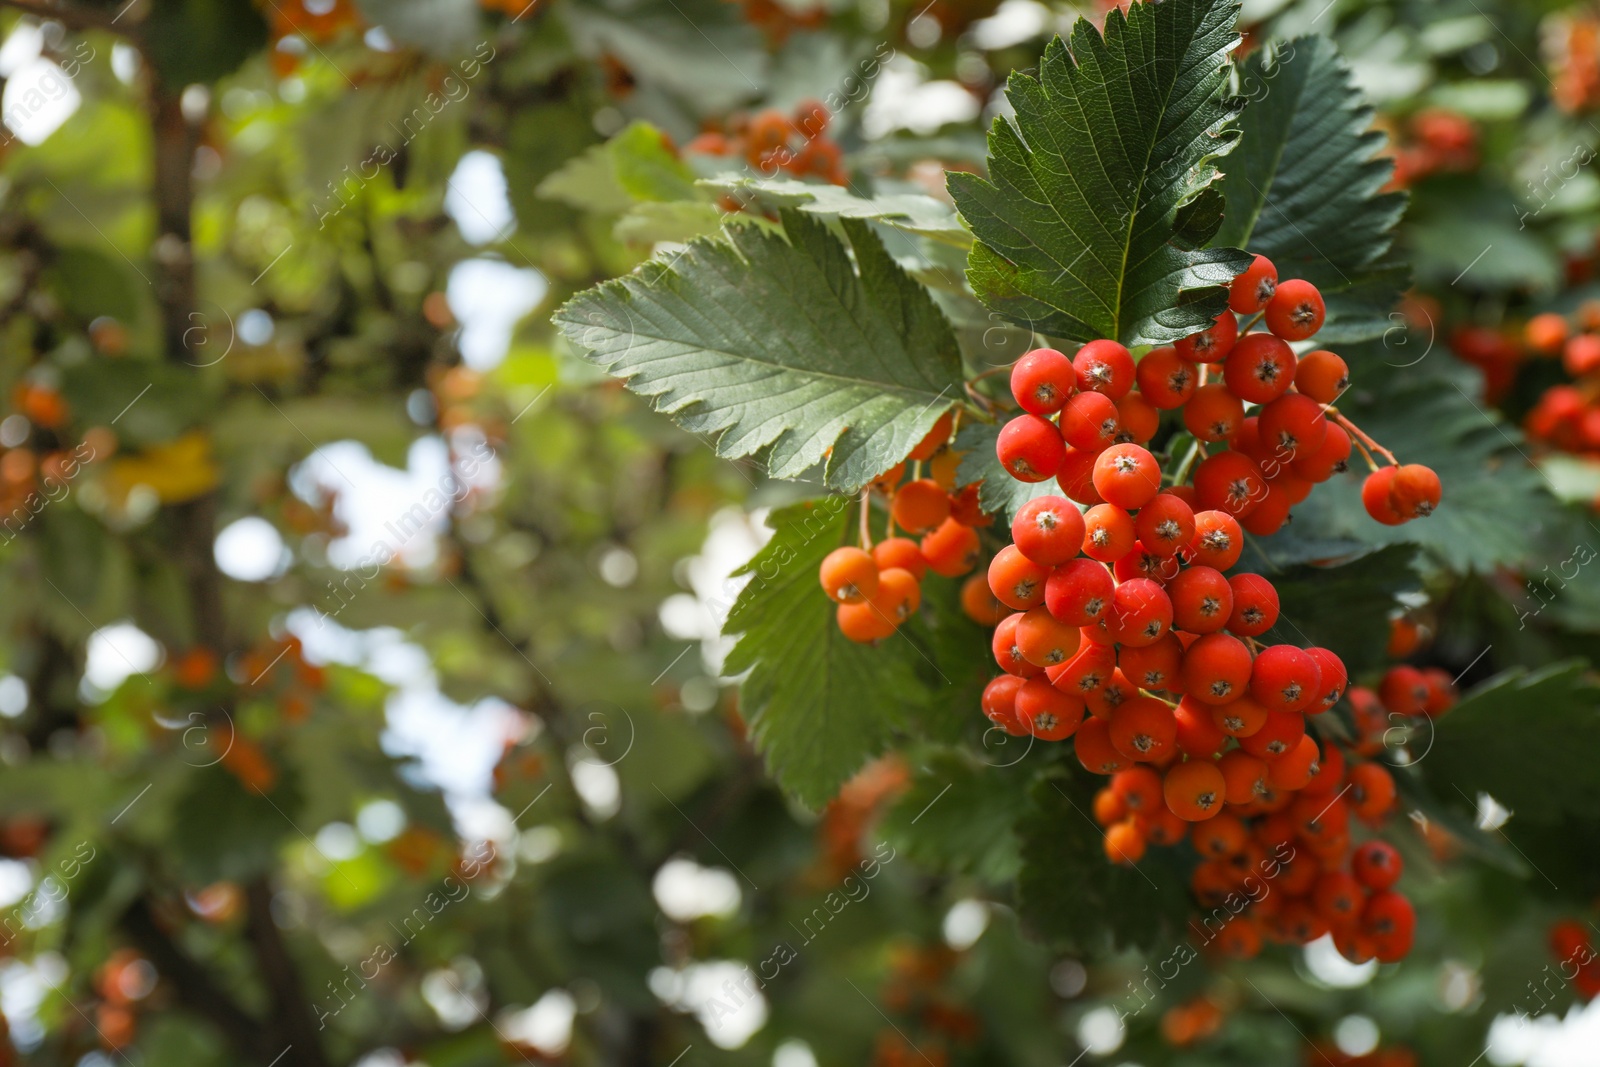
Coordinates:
<point>1102,191</point>
<point>201,40</point>
<point>818,704</point>
<point>646,167</point>
<point>1303,188</point>
<point>1343,608</point>
<point>678,220</point>
<point>911,212</point>
<point>1527,739</point>
<point>777,346</point>
<point>1073,897</point>
<point>587,181</point>
<point>959,816</point>
<point>998,491</point>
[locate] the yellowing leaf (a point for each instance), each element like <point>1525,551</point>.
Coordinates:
<point>176,471</point>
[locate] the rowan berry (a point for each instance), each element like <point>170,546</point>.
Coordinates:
<point>899,594</point>
<point>1137,418</point>
<point>1231,482</point>
<point>1140,562</point>
<point>1250,290</point>
<point>1078,592</point>
<point>1108,533</point>
<point>1165,524</point>
<point>1165,379</point>
<point>1372,791</point>
<point>1581,356</point>
<point>1127,476</point>
<point>1441,692</point>
<point>1216,669</point>
<point>1092,745</point>
<point>1218,540</point>
<point>1046,712</point>
<point>1115,692</point>
<point>1415,491</point>
<point>1086,673</point>
<point>1390,920</point>
<point>1139,788</point>
<point>1284,678</point>
<point>1213,413</point>
<point>1255,605</point>
<point>1029,448</point>
<point>1338,897</point>
<point>1198,735</point>
<point>1404,691</point>
<point>967,509</point>
<point>1546,333</point>
<point>1160,826</point>
<point>1007,652</point>
<point>1044,640</point>
<point>1194,790</point>
<point>1124,844</point>
<point>1141,613</point>
<point>1076,477</point>
<point>920,505</point>
<point>1017,581</point>
<point>951,550</point>
<point>1295,311</point>
<point>900,552</point>
<point>1049,530</point>
<point>1291,772</point>
<point>1327,776</point>
<point>1569,939</point>
<point>1269,513</point>
<point>1090,421</point>
<point>885,482</point>
<point>1104,367</point>
<point>1000,703</point>
<point>1322,376</point>
<point>1292,426</point>
<point>1222,836</point>
<point>864,622</point>
<point>1244,776</point>
<point>1278,736</point>
<point>1042,381</point>
<point>849,576</point>
<point>1329,459</point>
<point>935,438</point>
<point>1259,369</point>
<point>1211,344</point>
<point>1143,729</point>
<point>1240,717</point>
<point>1202,600</point>
<point>979,603</point>
<point>1375,497</point>
<point>1152,666</point>
<point>1332,679</point>
<point>1376,865</point>
<point>1109,807</point>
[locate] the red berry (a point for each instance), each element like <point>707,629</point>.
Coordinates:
<point>1044,640</point>
<point>1016,581</point>
<point>1375,497</point>
<point>1376,865</point>
<point>1078,592</point>
<point>1278,736</point>
<point>849,576</point>
<point>1270,512</point>
<point>1194,790</point>
<point>1216,669</point>
<point>1000,703</point>
<point>1322,376</point>
<point>1295,311</point>
<point>1092,744</point>
<point>951,550</point>
<point>1076,477</point>
<point>900,552</point>
<point>1090,421</point>
<point>1046,712</point>
<point>1165,525</point>
<point>1007,653</point>
<point>1048,530</point>
<point>1153,666</point>
<point>1137,418</point>
<point>1252,289</point>
<point>1042,381</point>
<point>1332,680</point>
<point>1201,600</point>
<point>1293,425</point>
<point>1108,533</point>
<point>1415,491</point>
<point>1259,369</point>
<point>1030,448</point>
<point>1241,717</point>
<point>1211,344</point>
<point>1127,476</point>
<point>1404,691</point>
<point>1284,678</point>
<point>1213,413</point>
<point>1218,540</point>
<point>1198,735</point>
<point>1255,605</point>
<point>1086,673</point>
<point>1165,379</point>
<point>1371,791</point>
<point>1143,730</point>
<point>1140,562</point>
<point>935,438</point>
<point>1104,367</point>
<point>920,505</point>
<point>1229,481</point>
<point>1141,613</point>
<point>1331,458</point>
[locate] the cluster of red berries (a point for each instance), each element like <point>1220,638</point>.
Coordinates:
<point>1129,599</point>
<point>1567,416</point>
<point>879,586</point>
<point>1575,953</point>
<point>1433,141</point>
<point>771,141</point>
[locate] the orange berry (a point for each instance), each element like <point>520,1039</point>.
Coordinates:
<point>849,576</point>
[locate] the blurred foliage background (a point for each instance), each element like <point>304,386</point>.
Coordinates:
<point>362,671</point>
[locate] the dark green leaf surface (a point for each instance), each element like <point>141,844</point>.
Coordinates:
<point>1303,186</point>
<point>779,347</point>
<point>818,704</point>
<point>1344,608</point>
<point>960,815</point>
<point>1103,191</point>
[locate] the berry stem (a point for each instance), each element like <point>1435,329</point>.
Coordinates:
<point>1246,327</point>
<point>1361,435</point>
<point>1372,464</point>
<point>1196,450</point>
<point>866,512</point>
<point>989,407</point>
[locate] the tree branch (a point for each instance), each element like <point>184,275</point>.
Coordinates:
<point>293,1020</point>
